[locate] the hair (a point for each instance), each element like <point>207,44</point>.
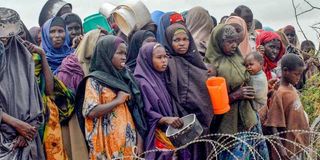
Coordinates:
<point>223,19</point>
<point>214,21</point>
<point>307,43</point>
<point>257,24</point>
<point>291,62</point>
<point>241,8</point>
<point>257,56</point>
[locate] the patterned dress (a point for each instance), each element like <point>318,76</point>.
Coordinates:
<point>112,135</point>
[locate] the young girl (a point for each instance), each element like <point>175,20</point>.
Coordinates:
<point>160,111</point>
<point>112,105</point>
<point>286,112</point>
<point>74,27</point>
<point>186,79</point>
<point>254,62</point>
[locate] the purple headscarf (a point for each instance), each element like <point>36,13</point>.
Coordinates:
<point>156,98</point>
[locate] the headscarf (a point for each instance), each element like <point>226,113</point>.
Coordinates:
<point>156,98</point>
<point>54,56</point>
<point>185,79</point>
<point>244,46</point>
<point>283,37</point>
<point>263,38</point>
<point>156,16</point>
<point>292,29</point>
<point>134,46</point>
<point>200,24</point>
<point>20,98</point>
<point>34,31</point>
<point>85,49</point>
<point>241,117</point>
<point>166,20</point>
<point>104,72</point>
<point>192,55</point>
<point>70,72</point>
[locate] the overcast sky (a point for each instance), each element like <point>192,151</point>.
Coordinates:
<point>273,13</point>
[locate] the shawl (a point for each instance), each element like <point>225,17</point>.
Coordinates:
<point>54,55</point>
<point>85,49</point>
<point>135,45</point>
<point>241,117</point>
<point>20,98</point>
<point>185,79</point>
<point>244,46</point>
<point>200,24</point>
<point>156,98</point>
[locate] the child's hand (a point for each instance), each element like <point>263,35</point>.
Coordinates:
<point>123,96</point>
<point>274,83</point>
<point>246,92</point>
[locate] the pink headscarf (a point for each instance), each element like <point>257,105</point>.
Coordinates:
<point>244,46</point>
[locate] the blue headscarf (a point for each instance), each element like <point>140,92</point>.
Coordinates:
<point>156,16</point>
<point>163,25</point>
<point>55,56</point>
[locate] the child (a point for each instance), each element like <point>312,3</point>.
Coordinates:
<point>286,112</point>
<point>254,62</point>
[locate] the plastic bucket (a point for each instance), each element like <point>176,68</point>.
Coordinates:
<point>94,21</point>
<point>219,95</point>
<point>107,9</point>
<point>124,18</point>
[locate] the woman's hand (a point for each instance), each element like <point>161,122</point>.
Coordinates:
<point>246,92</point>
<point>122,97</point>
<point>25,129</point>
<point>175,122</point>
<point>34,48</point>
<point>76,41</point>
<point>261,49</point>
<point>20,142</point>
<point>274,83</point>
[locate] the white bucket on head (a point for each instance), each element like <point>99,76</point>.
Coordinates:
<point>124,18</point>
<point>141,12</point>
<point>107,9</point>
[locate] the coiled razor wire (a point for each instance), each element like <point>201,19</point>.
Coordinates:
<point>225,142</point>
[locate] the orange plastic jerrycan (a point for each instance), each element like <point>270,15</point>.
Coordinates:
<point>219,95</point>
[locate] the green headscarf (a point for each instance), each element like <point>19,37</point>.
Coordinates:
<point>241,117</point>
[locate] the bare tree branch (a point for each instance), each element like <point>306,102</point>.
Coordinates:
<point>297,20</point>
<point>312,6</point>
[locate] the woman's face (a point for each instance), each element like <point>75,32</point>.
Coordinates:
<point>180,43</point>
<point>230,46</point>
<point>291,35</point>
<point>272,49</point>
<point>119,57</point>
<point>57,36</point>
<point>159,59</point>
<point>74,30</point>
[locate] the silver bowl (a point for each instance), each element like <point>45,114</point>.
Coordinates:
<point>190,131</point>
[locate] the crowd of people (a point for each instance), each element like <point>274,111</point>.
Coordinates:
<point>103,94</point>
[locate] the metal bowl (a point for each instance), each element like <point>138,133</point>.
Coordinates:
<point>190,131</point>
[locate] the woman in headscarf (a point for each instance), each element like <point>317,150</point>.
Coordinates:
<point>74,28</point>
<point>160,110</point>
<point>186,80</point>
<point>55,42</point>
<point>224,55</point>
<point>20,100</point>
<point>273,50</point>
<point>241,28</point>
<point>166,20</point>
<point>290,32</point>
<point>137,40</point>
<point>156,16</point>
<point>112,104</point>
<point>200,24</point>
<point>36,34</point>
